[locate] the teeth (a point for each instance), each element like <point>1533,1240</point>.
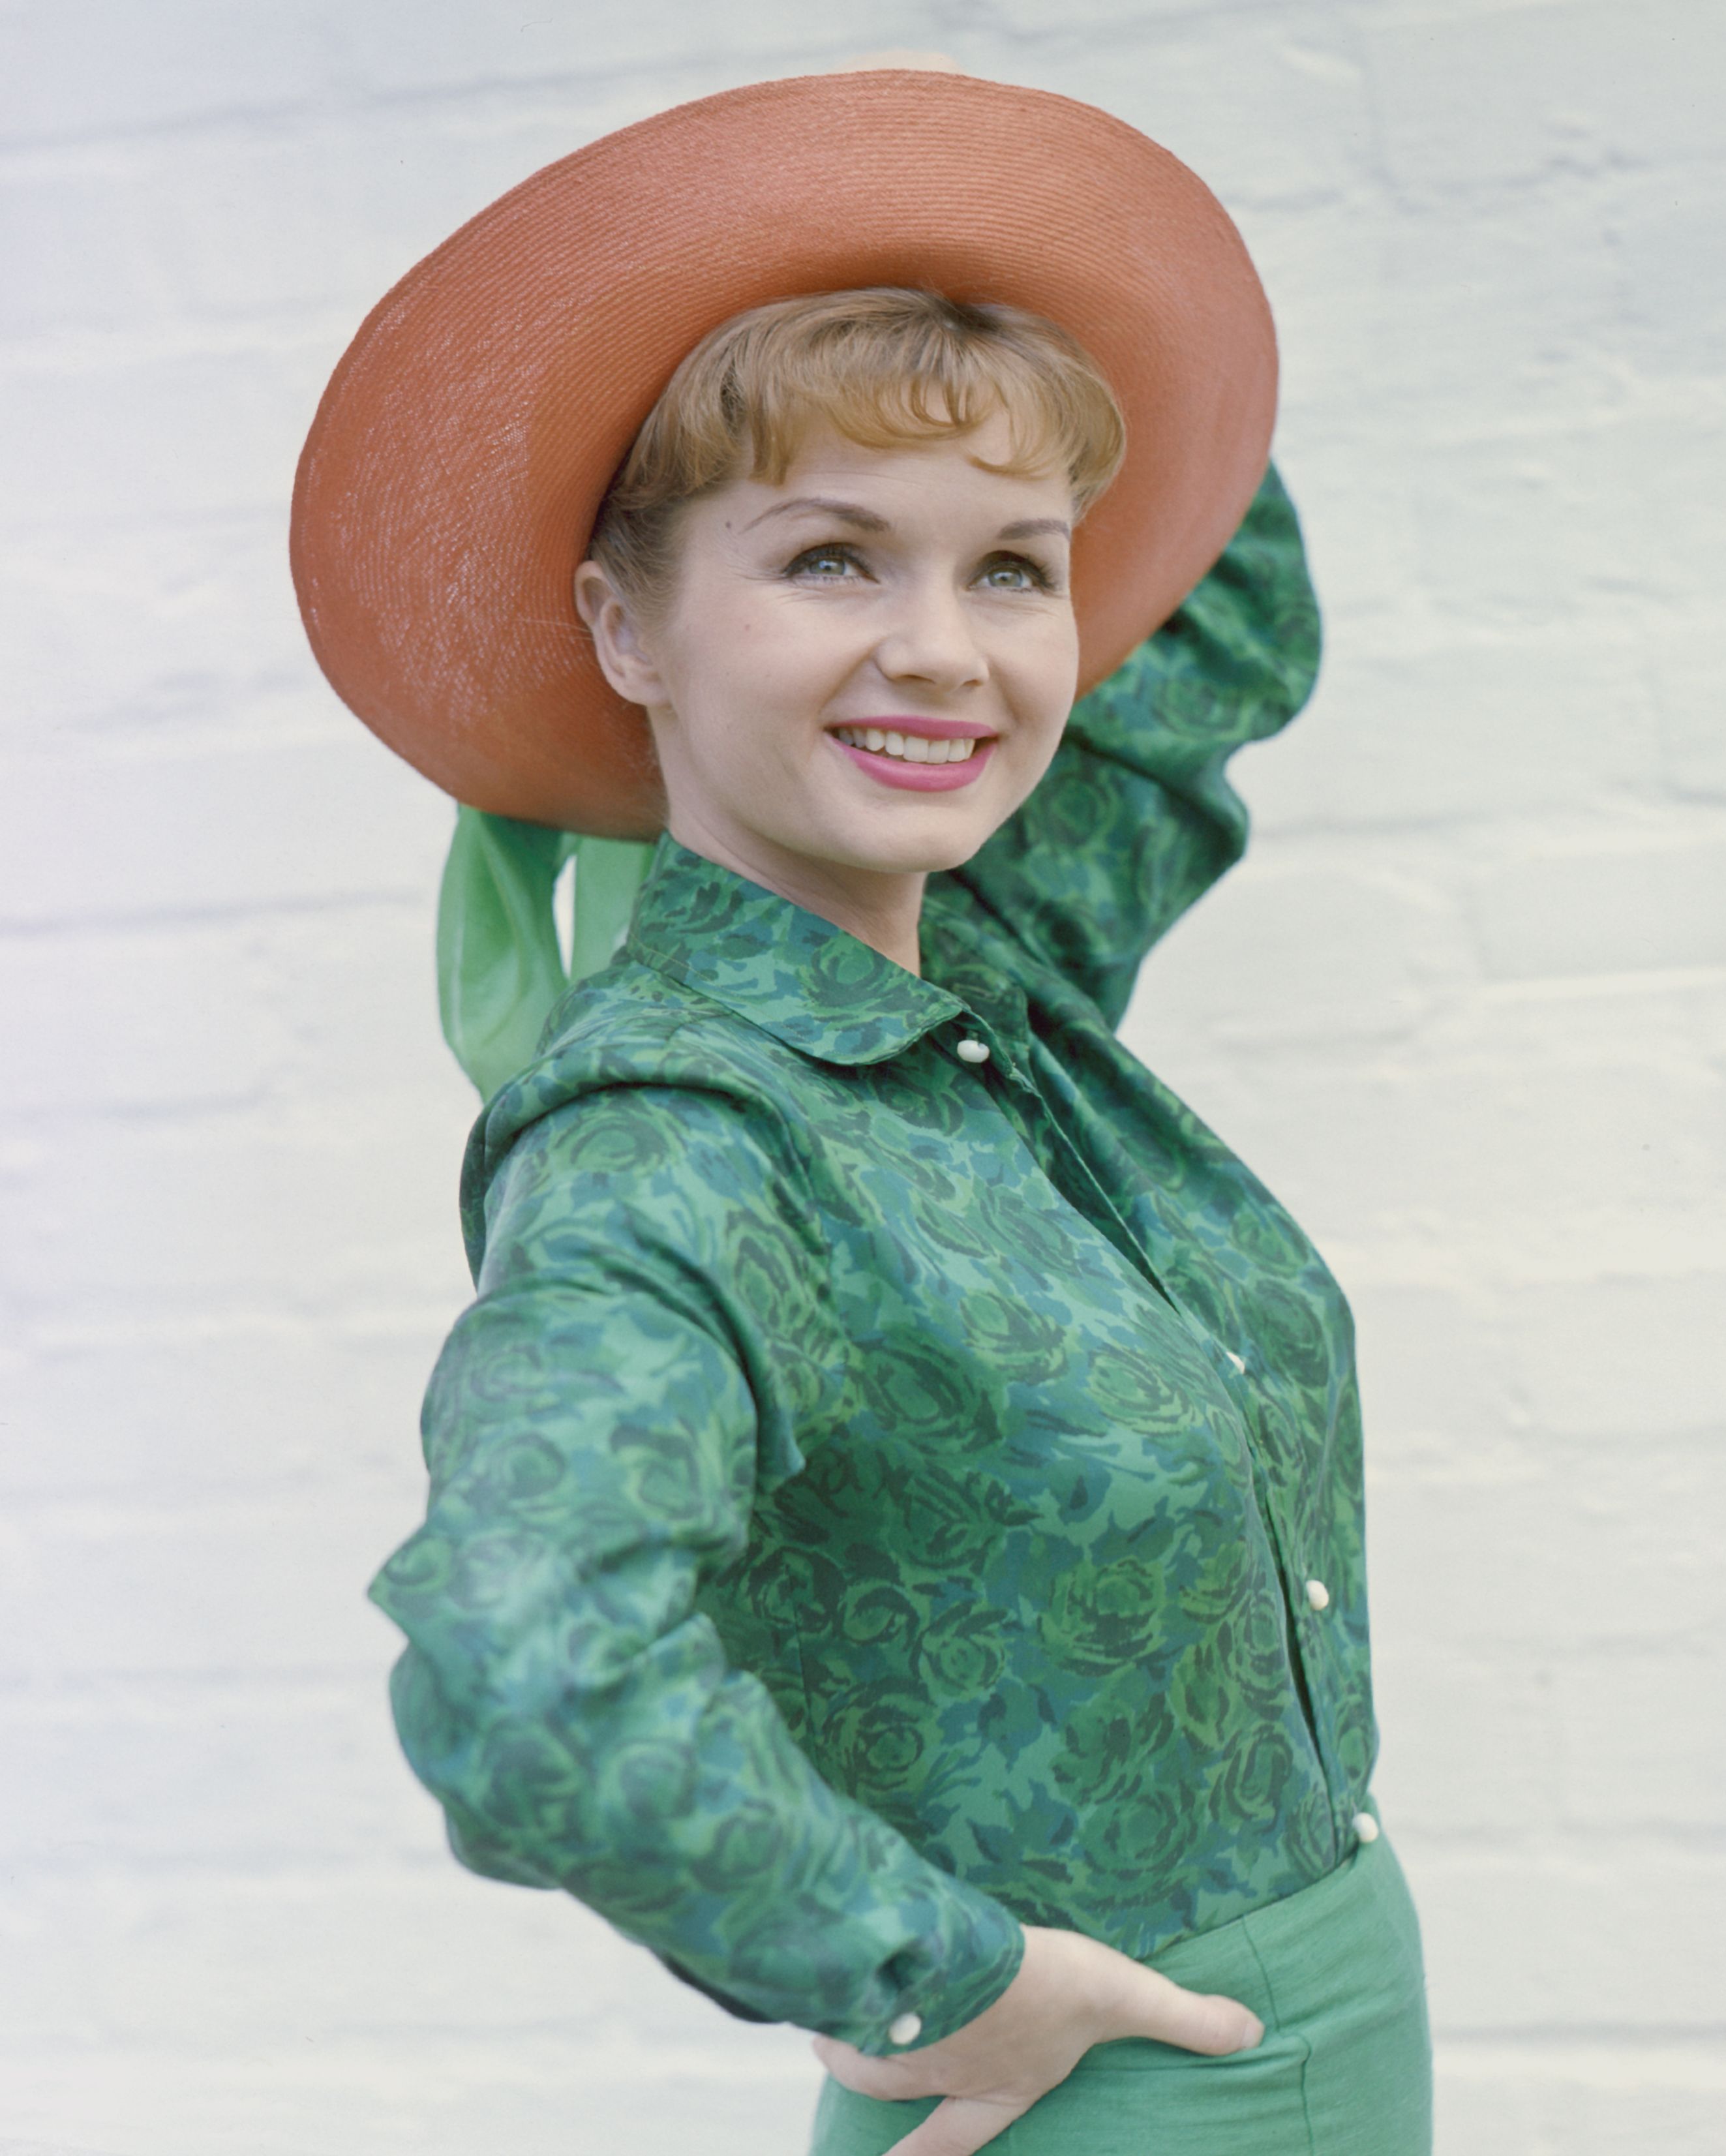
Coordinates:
<point>913,748</point>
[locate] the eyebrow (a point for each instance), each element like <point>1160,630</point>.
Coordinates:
<point>865,520</point>
<point>1037,527</point>
<point>849,512</point>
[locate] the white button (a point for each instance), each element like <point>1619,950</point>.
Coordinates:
<point>910,2026</point>
<point>1239,1361</point>
<point>1366,1829</point>
<point>973,1051</point>
<point>1317,1595</point>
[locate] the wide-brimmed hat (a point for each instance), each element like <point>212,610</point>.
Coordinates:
<point>460,453</point>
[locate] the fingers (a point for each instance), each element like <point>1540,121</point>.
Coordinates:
<point>957,2127</point>
<point>892,2079</point>
<point>1195,2020</point>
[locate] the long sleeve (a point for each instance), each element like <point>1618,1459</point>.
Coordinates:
<point>647,1325</point>
<point>1135,818</point>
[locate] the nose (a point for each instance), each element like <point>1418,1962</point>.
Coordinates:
<point>931,639</point>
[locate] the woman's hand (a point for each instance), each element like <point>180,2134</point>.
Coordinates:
<point>1069,1994</point>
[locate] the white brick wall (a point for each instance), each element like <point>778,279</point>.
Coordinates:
<point>1465,1007</point>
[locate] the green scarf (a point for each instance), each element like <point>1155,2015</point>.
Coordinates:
<point>499,966</point>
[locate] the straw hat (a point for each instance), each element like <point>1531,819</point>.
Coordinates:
<point>460,453</point>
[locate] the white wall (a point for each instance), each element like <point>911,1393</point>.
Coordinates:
<point>1465,1007</point>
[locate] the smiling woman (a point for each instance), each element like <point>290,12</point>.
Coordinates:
<point>834,571</point>
<point>894,1541</point>
<point>823,645</point>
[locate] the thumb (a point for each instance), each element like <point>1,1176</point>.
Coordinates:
<point>1194,2021</point>
<point>958,2125</point>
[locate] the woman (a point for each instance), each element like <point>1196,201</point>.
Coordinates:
<point>895,1539</point>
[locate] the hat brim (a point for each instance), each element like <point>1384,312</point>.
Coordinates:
<point>460,454</point>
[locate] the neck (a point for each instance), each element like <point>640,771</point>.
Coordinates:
<point>880,908</point>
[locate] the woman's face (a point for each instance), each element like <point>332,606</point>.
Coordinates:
<point>862,671</point>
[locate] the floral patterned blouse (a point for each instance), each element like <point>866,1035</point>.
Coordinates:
<point>900,1476</point>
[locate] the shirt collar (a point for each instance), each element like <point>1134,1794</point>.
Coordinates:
<point>807,983</point>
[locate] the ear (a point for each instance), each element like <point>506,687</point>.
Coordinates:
<point>624,659</point>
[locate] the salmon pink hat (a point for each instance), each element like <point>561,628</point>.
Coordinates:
<point>461,451</point>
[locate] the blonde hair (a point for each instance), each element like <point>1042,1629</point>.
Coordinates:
<point>885,366</point>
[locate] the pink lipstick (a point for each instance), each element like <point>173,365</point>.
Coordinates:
<point>919,777</point>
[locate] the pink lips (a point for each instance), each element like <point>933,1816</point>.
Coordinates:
<point>922,777</point>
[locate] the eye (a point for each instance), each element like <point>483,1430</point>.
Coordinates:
<point>1013,573</point>
<point>831,564</point>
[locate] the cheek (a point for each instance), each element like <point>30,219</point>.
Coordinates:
<point>1048,674</point>
<point>752,689</point>
<point>762,650</point>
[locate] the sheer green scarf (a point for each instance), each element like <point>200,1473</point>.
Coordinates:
<point>500,966</point>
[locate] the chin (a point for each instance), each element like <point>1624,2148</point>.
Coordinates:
<point>953,856</point>
<point>927,854</point>
<point>917,844</point>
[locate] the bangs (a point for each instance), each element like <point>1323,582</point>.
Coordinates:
<point>906,375</point>
<point>886,368</point>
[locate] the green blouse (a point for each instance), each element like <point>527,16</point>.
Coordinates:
<point>899,1476</point>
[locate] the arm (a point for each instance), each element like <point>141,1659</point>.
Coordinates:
<point>597,1430</point>
<point>1134,819</point>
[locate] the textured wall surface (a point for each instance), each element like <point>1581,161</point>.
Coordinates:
<point>1465,1007</point>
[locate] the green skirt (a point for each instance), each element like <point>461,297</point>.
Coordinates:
<point>1344,2069</point>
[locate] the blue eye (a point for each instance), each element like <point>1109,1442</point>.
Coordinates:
<point>825,564</point>
<point>1013,572</point>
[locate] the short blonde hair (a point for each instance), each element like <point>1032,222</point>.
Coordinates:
<point>885,366</point>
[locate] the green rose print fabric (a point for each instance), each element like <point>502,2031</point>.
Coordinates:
<point>874,1492</point>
